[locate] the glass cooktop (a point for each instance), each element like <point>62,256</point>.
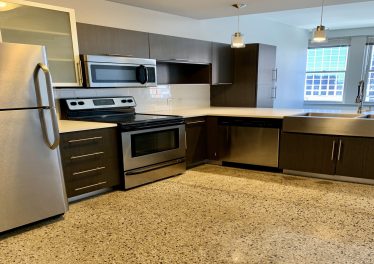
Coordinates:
<point>126,118</point>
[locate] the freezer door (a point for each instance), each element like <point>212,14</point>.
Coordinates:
<point>18,63</point>
<point>32,186</point>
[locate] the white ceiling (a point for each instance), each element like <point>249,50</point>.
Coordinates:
<point>205,9</point>
<point>300,13</point>
<point>354,15</point>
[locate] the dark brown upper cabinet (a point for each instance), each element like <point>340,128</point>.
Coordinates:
<point>255,79</point>
<point>222,64</point>
<point>99,40</point>
<point>179,50</point>
<point>182,73</point>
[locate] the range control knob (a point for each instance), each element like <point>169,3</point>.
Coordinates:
<point>81,103</point>
<point>130,100</point>
<point>73,103</point>
<point>124,101</point>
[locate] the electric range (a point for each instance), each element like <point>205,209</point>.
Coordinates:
<point>153,146</point>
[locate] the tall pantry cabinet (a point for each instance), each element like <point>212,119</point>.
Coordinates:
<point>255,77</point>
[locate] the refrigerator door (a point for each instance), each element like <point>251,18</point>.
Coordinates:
<point>32,186</point>
<point>18,63</point>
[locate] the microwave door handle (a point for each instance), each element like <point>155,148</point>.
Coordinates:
<point>142,74</point>
<point>51,107</point>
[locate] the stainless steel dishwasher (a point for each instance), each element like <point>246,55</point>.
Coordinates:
<point>250,141</point>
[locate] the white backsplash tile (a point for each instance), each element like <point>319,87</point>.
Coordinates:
<point>162,97</point>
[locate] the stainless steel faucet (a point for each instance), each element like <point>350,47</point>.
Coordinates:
<point>360,96</point>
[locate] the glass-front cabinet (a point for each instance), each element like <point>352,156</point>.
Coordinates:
<point>54,27</point>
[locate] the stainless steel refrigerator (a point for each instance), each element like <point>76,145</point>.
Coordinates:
<point>31,181</point>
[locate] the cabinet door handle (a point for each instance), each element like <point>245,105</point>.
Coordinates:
<point>275,74</point>
<point>196,122</point>
<point>87,171</point>
<point>333,150</point>
<point>340,149</point>
<point>274,92</point>
<point>84,139</point>
<point>90,186</point>
<point>87,155</point>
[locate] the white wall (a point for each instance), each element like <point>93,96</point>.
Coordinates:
<point>291,42</point>
<point>162,97</point>
<point>291,45</point>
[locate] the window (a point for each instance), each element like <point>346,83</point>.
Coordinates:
<point>370,75</point>
<point>325,73</point>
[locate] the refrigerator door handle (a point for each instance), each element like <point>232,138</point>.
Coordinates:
<point>51,107</point>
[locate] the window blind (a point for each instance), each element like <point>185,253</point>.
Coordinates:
<point>335,42</point>
<point>370,41</point>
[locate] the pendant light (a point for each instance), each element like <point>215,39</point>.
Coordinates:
<point>4,6</point>
<point>319,34</point>
<point>237,40</point>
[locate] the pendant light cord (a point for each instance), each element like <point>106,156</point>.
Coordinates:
<point>238,22</point>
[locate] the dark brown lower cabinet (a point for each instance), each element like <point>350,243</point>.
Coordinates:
<point>350,156</point>
<point>307,153</point>
<point>196,135</point>
<point>90,160</point>
<point>368,166</point>
<point>333,155</point>
<point>213,138</point>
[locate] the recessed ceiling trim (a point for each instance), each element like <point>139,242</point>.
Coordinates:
<point>208,9</point>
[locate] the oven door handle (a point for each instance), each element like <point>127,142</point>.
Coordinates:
<point>153,167</point>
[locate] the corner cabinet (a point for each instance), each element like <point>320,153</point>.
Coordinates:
<point>196,138</point>
<point>222,64</point>
<point>255,79</point>
<point>54,27</point>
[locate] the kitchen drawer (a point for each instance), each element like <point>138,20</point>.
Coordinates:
<point>90,160</point>
<point>87,180</point>
<point>73,166</point>
<point>90,142</point>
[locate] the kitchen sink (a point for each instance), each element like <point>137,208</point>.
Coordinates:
<point>368,116</point>
<point>342,124</point>
<point>332,115</point>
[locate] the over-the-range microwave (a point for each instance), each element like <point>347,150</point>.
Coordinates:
<point>115,71</point>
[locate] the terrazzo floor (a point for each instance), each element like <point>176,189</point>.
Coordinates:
<point>208,215</point>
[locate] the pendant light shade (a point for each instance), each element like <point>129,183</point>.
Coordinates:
<point>4,6</point>
<point>319,34</point>
<point>237,39</point>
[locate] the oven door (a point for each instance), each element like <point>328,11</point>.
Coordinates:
<point>119,75</point>
<point>152,146</point>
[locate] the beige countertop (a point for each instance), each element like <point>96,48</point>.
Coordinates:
<point>66,126</point>
<point>230,111</point>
